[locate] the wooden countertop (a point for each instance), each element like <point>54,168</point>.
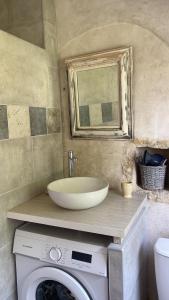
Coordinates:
<point>113,217</point>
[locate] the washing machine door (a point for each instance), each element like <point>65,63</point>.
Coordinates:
<point>51,283</point>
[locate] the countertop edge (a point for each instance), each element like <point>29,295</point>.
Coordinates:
<point>63,224</point>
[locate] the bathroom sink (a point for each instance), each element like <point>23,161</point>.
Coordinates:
<point>78,192</point>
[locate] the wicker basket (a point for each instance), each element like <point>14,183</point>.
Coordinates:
<point>152,177</point>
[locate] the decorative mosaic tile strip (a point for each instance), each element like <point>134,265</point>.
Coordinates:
<point>53,120</point>
<point>22,121</point>
<point>18,121</point>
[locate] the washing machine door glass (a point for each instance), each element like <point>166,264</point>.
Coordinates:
<point>49,283</point>
<point>51,290</point>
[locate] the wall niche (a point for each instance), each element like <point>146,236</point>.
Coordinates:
<point>140,153</point>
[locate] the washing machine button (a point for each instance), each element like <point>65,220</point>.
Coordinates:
<point>55,254</point>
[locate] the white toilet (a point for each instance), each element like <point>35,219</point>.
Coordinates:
<point>161,252</point>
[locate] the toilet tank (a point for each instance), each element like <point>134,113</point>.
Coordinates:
<point>161,255</point>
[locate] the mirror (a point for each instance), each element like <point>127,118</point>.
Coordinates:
<point>100,94</point>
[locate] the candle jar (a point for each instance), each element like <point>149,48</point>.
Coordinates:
<point>127,189</point>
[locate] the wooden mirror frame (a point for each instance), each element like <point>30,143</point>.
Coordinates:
<point>122,57</point>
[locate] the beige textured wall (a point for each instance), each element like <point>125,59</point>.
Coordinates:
<point>24,19</point>
<point>150,90</point>
<point>97,25</point>
<point>29,77</point>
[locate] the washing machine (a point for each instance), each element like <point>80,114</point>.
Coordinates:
<point>58,264</point>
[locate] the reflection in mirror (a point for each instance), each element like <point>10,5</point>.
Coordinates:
<point>100,94</point>
<point>99,97</point>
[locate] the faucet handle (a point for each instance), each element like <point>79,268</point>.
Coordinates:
<point>72,160</point>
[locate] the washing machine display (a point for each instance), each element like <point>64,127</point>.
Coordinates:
<point>82,256</point>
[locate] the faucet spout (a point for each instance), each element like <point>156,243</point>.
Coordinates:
<point>72,160</point>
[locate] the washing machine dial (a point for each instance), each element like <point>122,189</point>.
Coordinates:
<point>55,254</point>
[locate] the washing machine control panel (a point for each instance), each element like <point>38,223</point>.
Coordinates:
<point>76,255</point>
<point>67,255</point>
<point>76,251</point>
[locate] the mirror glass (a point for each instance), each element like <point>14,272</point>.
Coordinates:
<point>99,97</point>
<point>100,94</point>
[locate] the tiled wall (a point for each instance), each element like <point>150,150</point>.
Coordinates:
<point>23,121</point>
<point>30,131</point>
<point>24,19</point>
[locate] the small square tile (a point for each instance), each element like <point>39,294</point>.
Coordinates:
<point>84,115</point>
<point>18,121</point>
<point>3,123</point>
<point>38,120</point>
<point>53,120</point>
<point>107,112</point>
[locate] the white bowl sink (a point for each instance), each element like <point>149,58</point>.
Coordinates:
<point>78,192</point>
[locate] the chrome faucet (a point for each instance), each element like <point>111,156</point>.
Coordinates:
<point>72,160</point>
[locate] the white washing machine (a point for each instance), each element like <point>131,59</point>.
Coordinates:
<point>58,264</point>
